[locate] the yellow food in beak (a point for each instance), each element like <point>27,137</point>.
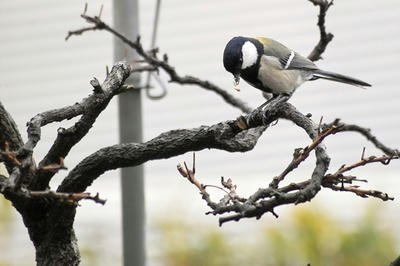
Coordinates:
<point>236,82</point>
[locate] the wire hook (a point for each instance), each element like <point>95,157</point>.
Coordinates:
<point>153,74</point>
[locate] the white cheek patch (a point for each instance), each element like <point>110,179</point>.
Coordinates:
<point>249,54</point>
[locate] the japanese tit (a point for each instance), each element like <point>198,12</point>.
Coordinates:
<point>273,68</point>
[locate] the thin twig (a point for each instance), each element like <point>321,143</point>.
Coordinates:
<point>325,37</point>
<point>54,167</point>
<point>80,31</point>
<point>163,64</point>
<point>217,187</point>
<point>372,159</point>
<point>10,156</point>
<point>301,154</point>
<point>72,198</point>
<point>366,132</point>
<point>362,192</point>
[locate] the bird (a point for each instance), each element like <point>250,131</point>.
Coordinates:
<point>271,67</point>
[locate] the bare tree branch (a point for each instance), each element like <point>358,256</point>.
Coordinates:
<point>230,195</point>
<point>300,155</point>
<point>89,109</point>
<point>224,136</point>
<point>325,37</point>
<point>72,198</point>
<point>10,137</point>
<point>151,58</point>
<point>256,206</point>
<point>372,159</point>
<point>8,156</point>
<point>81,31</point>
<point>366,132</point>
<point>362,192</point>
<point>265,200</point>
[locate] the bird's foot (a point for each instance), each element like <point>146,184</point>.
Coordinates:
<point>262,111</point>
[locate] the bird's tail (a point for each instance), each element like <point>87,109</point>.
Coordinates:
<point>339,78</point>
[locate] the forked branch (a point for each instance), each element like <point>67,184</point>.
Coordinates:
<point>267,199</point>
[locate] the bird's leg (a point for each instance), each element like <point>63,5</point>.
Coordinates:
<point>274,96</point>
<point>276,99</point>
<point>265,107</point>
<point>272,104</point>
<point>255,113</point>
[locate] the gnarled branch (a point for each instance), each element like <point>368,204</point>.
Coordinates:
<point>89,109</point>
<point>266,200</point>
<point>224,136</point>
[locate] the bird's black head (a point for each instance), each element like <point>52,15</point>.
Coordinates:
<point>233,55</point>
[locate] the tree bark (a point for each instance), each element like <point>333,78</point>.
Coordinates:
<point>58,249</point>
<point>50,227</point>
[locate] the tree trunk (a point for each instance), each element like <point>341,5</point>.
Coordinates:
<point>50,227</point>
<point>55,250</point>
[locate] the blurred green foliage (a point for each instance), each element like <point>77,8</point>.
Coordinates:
<point>308,236</point>
<point>5,214</point>
<point>6,219</point>
<point>89,256</point>
<point>187,245</point>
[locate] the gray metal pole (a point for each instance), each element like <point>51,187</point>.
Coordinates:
<point>126,21</point>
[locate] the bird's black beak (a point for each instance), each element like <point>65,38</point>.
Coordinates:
<point>236,77</point>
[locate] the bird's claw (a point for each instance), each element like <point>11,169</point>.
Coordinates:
<point>255,116</point>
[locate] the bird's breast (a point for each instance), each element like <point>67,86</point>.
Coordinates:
<point>274,77</point>
<point>250,75</point>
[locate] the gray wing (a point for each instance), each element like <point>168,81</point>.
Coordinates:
<point>299,62</point>
<point>287,58</point>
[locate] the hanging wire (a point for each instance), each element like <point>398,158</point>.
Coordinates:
<point>151,73</point>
